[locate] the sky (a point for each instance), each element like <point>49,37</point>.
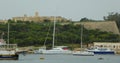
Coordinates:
<point>70,9</point>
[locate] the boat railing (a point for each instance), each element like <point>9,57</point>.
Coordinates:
<point>8,46</point>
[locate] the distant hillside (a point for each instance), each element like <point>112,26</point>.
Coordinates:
<point>38,34</point>
<point>109,26</point>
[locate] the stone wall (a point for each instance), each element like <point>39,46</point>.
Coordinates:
<point>109,26</point>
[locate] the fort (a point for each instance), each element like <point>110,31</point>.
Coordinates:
<point>37,18</point>
<point>109,26</point>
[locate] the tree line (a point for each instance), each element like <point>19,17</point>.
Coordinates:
<point>37,34</point>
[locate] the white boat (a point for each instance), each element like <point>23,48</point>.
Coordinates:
<point>8,51</point>
<point>82,52</point>
<point>39,51</point>
<point>55,49</point>
<point>58,50</point>
<point>101,50</point>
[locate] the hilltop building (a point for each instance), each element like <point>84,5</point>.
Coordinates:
<point>3,21</point>
<point>37,18</point>
<point>108,26</point>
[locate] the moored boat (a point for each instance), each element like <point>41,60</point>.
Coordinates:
<point>57,50</point>
<point>8,53</point>
<point>39,51</point>
<point>83,53</point>
<point>101,50</point>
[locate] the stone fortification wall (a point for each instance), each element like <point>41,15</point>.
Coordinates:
<point>109,26</point>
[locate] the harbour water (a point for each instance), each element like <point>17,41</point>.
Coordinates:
<point>37,58</point>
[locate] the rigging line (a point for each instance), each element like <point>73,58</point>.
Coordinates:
<point>47,34</point>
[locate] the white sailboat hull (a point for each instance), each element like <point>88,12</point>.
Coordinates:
<point>56,52</point>
<point>83,53</point>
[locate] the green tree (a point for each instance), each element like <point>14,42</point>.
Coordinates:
<point>84,19</point>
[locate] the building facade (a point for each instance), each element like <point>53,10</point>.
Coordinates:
<point>37,18</point>
<point>3,21</point>
<point>110,45</point>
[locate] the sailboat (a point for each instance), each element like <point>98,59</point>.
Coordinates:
<point>7,51</point>
<point>82,53</point>
<point>56,49</point>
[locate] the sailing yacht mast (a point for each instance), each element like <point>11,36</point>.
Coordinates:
<point>8,35</point>
<point>81,35</point>
<point>54,31</point>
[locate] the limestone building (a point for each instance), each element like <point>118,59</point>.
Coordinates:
<point>37,18</point>
<point>3,21</point>
<point>107,45</point>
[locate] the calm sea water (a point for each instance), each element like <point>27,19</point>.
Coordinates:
<point>35,58</point>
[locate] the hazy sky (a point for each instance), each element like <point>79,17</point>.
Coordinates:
<point>71,9</point>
